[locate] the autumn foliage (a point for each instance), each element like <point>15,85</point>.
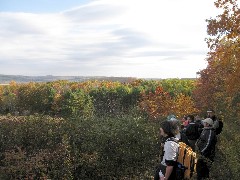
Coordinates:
<point>98,98</point>
<point>81,130</point>
<point>219,84</point>
<point>157,104</point>
<point>160,104</point>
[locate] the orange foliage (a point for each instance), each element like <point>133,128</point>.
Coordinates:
<point>160,104</point>
<point>157,104</point>
<point>219,84</point>
<point>225,25</point>
<point>184,105</point>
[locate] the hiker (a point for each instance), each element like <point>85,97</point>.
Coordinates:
<point>181,136</point>
<point>192,131</point>
<point>205,146</point>
<point>211,114</point>
<point>185,122</point>
<point>168,165</point>
<point>217,122</point>
<point>198,121</point>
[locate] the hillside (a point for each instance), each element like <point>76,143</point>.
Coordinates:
<point>5,79</point>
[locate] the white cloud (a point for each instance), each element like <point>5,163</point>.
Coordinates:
<point>148,38</point>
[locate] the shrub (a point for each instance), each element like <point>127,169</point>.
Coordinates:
<point>104,148</point>
<point>76,103</point>
<point>115,147</point>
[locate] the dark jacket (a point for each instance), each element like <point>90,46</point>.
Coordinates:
<point>206,143</point>
<point>184,138</point>
<point>192,131</point>
<point>200,126</point>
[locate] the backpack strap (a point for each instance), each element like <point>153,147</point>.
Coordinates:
<point>172,139</point>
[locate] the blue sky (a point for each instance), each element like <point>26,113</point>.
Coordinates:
<point>127,38</point>
<point>39,6</point>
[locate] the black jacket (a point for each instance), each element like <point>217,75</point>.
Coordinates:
<point>192,131</point>
<point>207,141</point>
<point>184,138</point>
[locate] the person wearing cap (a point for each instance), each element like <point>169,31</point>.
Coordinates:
<point>205,145</point>
<point>211,114</point>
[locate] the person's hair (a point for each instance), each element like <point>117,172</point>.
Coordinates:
<point>170,127</point>
<point>191,117</point>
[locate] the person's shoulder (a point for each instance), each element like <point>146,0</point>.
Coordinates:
<point>214,118</point>
<point>210,130</point>
<point>172,141</point>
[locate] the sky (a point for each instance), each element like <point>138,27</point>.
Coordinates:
<point>120,38</point>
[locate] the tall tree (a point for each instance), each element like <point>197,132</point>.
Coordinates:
<point>220,81</point>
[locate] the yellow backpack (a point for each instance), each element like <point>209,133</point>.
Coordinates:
<point>188,159</point>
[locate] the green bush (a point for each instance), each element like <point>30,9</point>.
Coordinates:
<point>227,163</point>
<point>77,103</point>
<point>116,147</point>
<point>31,147</point>
<point>106,148</point>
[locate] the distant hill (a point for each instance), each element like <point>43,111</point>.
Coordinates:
<point>5,79</point>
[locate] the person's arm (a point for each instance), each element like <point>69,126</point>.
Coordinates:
<point>187,130</point>
<point>215,124</point>
<point>170,161</point>
<point>197,133</point>
<point>169,170</point>
<point>171,157</point>
<point>208,140</point>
